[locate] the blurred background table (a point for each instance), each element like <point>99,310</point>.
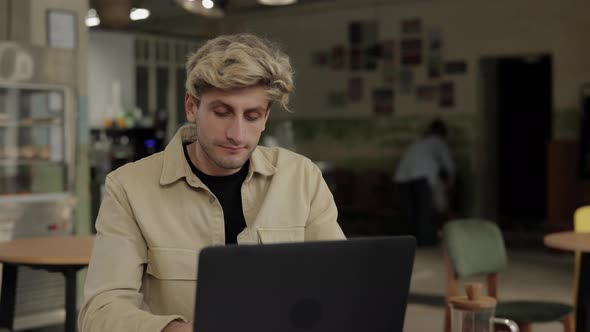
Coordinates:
<point>64,254</point>
<point>573,241</point>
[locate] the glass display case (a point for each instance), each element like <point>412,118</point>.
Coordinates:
<point>37,172</point>
<point>37,143</point>
<point>33,148</point>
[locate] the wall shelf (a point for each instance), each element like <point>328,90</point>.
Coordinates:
<point>27,162</point>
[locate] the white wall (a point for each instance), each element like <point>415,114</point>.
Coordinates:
<point>110,58</point>
<point>470,29</point>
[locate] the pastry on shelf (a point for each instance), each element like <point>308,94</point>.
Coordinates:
<point>43,153</point>
<point>26,121</point>
<point>27,152</point>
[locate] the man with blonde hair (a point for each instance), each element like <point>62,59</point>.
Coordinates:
<point>212,185</point>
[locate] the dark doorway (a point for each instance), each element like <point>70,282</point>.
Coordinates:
<point>524,102</point>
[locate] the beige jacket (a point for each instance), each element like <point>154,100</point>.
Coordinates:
<point>157,215</point>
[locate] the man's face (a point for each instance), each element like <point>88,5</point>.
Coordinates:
<point>229,124</point>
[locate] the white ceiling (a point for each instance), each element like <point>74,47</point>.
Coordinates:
<point>168,17</point>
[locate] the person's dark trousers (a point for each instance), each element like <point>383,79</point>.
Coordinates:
<point>417,209</point>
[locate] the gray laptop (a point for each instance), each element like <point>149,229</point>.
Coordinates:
<point>341,286</point>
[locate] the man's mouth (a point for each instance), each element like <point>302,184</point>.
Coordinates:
<point>232,147</point>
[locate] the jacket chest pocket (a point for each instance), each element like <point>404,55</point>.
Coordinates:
<point>269,235</point>
<point>173,264</point>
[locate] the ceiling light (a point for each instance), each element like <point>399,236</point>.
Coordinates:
<point>277,2</point>
<point>137,14</point>
<point>201,8</point>
<point>92,18</point>
<point>208,4</point>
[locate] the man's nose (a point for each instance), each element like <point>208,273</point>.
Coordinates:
<point>235,132</point>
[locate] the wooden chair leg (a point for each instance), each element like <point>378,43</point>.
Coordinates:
<point>451,291</point>
<point>525,327</point>
<point>447,327</point>
<point>568,324</point>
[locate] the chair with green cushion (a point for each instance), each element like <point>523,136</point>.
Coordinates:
<point>475,248</point>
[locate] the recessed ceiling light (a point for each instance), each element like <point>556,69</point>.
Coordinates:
<point>208,4</point>
<point>92,18</point>
<point>200,8</point>
<point>137,14</point>
<point>277,2</point>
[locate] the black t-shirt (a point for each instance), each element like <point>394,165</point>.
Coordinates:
<point>228,190</point>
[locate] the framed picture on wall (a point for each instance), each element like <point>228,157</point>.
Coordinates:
<point>338,57</point>
<point>435,61</point>
<point>372,54</point>
<point>62,28</point>
<point>356,59</point>
<point>411,50</point>
<point>383,101</point>
<point>406,80</point>
<point>388,49</point>
<point>388,56</point>
<point>434,66</point>
<point>447,94</point>
<point>355,33</point>
<point>355,89</point>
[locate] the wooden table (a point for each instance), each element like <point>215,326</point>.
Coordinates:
<point>577,242</point>
<point>65,254</point>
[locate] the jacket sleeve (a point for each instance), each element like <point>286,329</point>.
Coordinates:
<point>322,223</point>
<point>112,293</point>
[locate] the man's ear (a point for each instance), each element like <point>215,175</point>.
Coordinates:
<point>190,107</point>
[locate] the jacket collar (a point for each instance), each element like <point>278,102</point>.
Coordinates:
<point>176,166</point>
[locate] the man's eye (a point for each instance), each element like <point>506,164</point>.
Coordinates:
<point>221,113</point>
<point>252,116</point>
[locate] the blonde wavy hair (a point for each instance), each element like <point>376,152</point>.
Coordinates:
<point>237,61</point>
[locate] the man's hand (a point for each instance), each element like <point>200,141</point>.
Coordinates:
<point>176,326</point>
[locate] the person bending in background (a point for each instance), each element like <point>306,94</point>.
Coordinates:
<point>212,185</point>
<point>425,172</point>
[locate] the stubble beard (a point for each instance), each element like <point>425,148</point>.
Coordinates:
<point>229,164</point>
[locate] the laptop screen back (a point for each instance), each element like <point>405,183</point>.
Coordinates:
<point>354,285</point>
